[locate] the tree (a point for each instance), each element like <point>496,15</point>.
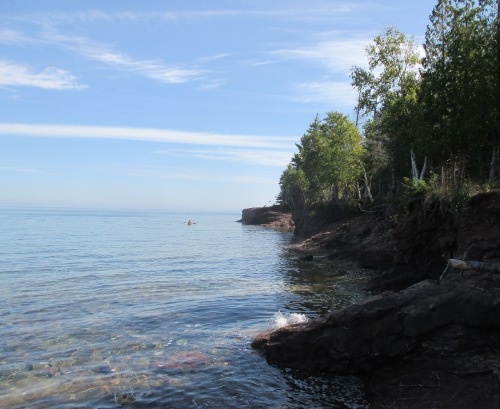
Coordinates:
<point>458,92</point>
<point>392,60</point>
<point>387,95</point>
<point>327,165</point>
<point>292,188</point>
<point>340,155</point>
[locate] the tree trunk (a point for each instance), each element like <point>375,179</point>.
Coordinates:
<point>358,189</point>
<point>393,181</point>
<point>493,166</point>
<point>494,157</point>
<point>444,179</point>
<point>367,186</point>
<point>357,107</point>
<point>335,194</point>
<point>462,165</point>
<point>424,169</point>
<point>414,169</point>
<point>345,194</point>
<point>452,173</point>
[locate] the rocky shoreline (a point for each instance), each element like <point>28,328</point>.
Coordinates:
<point>273,217</point>
<point>419,342</point>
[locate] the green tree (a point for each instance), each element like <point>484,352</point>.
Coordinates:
<point>392,60</point>
<point>387,96</point>
<point>340,156</point>
<point>459,91</point>
<point>328,163</point>
<point>293,186</point>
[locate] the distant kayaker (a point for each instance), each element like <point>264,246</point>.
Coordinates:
<point>190,222</point>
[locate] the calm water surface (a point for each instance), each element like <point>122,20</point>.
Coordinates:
<point>105,309</point>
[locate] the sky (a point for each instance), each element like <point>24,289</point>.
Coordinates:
<point>173,105</point>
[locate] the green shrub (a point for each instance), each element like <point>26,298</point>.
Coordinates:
<point>415,187</point>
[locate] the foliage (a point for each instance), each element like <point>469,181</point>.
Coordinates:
<point>414,187</point>
<point>430,126</point>
<point>327,165</point>
<point>292,187</point>
<point>388,96</point>
<point>459,84</point>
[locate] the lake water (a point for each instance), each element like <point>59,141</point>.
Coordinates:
<point>109,309</point>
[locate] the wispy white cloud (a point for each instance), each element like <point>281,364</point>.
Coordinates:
<point>197,176</point>
<point>16,75</point>
<point>340,93</point>
<point>20,170</point>
<point>211,58</point>
<point>9,36</point>
<point>191,175</point>
<point>338,55</point>
<point>145,134</point>
<point>91,16</point>
<point>150,68</point>
<point>210,84</point>
<point>271,157</point>
<point>263,62</point>
<point>154,69</point>
<point>319,10</point>
<point>259,157</point>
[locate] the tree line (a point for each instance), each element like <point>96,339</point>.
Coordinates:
<point>421,124</point>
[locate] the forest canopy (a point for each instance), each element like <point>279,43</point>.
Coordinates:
<point>422,124</point>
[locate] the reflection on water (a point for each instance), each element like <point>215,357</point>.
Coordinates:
<point>135,309</point>
<point>322,286</point>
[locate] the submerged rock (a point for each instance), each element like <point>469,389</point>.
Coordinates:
<point>125,399</point>
<point>182,360</point>
<point>102,369</point>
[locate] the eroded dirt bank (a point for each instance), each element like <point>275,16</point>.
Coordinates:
<point>420,342</point>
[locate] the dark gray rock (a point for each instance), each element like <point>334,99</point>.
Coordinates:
<point>424,344</point>
<point>363,337</point>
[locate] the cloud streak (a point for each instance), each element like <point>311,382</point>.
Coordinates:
<point>145,134</point>
<point>322,11</point>
<point>17,75</point>
<point>153,69</point>
<point>270,157</point>
<point>19,170</point>
<point>194,175</point>
<point>9,36</point>
<point>327,92</point>
<point>338,55</point>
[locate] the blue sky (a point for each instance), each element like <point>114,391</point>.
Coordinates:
<point>176,105</point>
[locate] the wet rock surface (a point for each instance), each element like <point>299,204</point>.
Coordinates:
<point>420,342</point>
<point>415,339</point>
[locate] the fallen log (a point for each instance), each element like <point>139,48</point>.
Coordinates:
<point>471,265</point>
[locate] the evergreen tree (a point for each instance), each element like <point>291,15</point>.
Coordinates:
<point>458,92</point>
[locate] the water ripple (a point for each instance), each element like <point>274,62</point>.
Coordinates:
<point>104,308</point>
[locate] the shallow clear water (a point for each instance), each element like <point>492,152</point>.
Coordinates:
<point>114,308</point>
